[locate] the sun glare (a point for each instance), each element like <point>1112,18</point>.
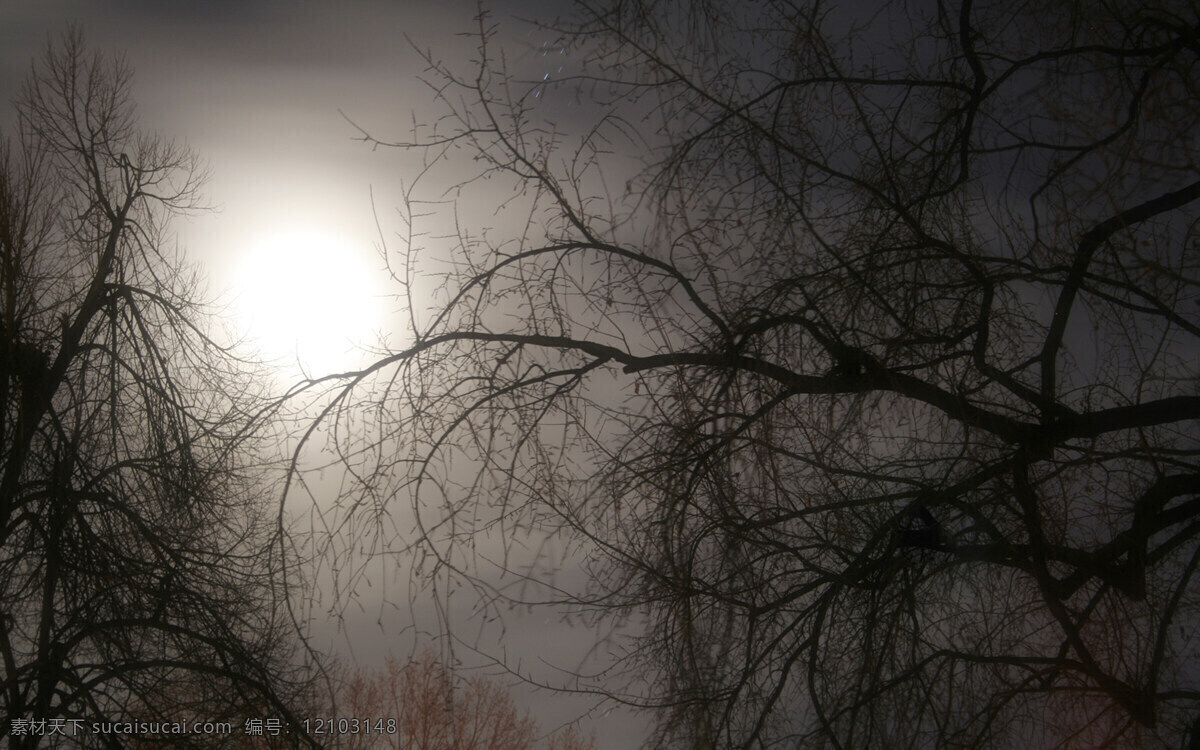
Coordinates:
<point>308,298</point>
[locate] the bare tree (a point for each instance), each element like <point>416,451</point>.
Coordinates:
<point>875,392</point>
<point>423,705</point>
<point>133,548</point>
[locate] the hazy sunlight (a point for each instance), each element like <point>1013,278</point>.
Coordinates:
<point>310,297</point>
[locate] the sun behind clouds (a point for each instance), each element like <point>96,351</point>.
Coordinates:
<point>307,297</point>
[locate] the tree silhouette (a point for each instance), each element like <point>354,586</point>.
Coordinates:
<point>431,710</point>
<point>874,391</point>
<point>133,565</point>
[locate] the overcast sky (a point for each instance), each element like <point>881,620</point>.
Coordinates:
<point>261,91</point>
